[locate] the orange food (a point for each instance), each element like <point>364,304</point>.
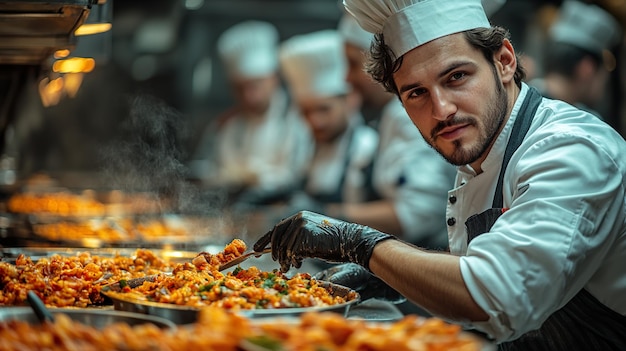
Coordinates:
<point>200,284</point>
<point>241,289</point>
<point>205,260</point>
<point>219,330</point>
<point>72,281</point>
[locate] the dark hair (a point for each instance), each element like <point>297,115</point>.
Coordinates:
<point>562,58</point>
<point>382,63</point>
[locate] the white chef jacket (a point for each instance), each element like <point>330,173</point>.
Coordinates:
<point>351,153</point>
<point>273,146</point>
<point>412,174</point>
<point>565,227</point>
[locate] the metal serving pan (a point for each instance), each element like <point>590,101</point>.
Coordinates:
<point>96,318</point>
<point>187,314</point>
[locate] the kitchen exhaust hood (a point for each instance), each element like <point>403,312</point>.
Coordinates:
<point>31,31</point>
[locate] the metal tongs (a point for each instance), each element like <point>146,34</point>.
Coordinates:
<point>243,257</point>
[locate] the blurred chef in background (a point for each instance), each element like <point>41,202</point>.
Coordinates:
<point>256,144</point>
<point>314,68</point>
<point>404,201</point>
<point>579,57</point>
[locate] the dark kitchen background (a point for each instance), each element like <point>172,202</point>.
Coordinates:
<point>156,75</point>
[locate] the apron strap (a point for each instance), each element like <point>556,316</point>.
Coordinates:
<point>520,128</point>
<point>481,223</point>
<point>337,194</point>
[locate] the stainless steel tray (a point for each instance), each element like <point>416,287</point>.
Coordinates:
<point>96,318</point>
<point>187,314</point>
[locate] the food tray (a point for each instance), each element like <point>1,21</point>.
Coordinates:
<point>169,231</point>
<point>187,314</point>
<point>9,254</point>
<point>96,318</point>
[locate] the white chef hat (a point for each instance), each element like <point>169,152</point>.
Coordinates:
<point>249,49</point>
<point>314,64</point>
<point>352,32</point>
<point>407,24</point>
<point>586,26</point>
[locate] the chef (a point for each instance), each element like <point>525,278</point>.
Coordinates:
<point>576,70</point>
<point>405,202</point>
<point>314,69</point>
<point>257,144</point>
<point>537,215</point>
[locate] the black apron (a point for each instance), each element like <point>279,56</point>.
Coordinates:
<point>584,323</point>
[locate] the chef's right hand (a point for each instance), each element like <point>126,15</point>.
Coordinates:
<point>309,234</point>
<point>359,279</point>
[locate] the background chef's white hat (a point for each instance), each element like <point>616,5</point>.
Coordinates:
<point>586,26</point>
<point>407,24</point>
<point>314,64</point>
<point>352,33</point>
<point>249,49</point>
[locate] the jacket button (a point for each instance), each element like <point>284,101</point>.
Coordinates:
<point>451,221</point>
<point>452,199</point>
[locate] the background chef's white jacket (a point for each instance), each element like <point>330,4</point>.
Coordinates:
<point>273,146</point>
<point>412,174</point>
<point>565,228</point>
<point>328,164</point>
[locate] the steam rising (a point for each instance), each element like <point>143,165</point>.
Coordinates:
<point>148,159</point>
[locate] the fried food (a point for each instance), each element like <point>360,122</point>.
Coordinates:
<point>219,330</point>
<point>200,284</point>
<point>63,281</point>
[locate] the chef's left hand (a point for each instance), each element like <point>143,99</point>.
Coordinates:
<point>360,280</point>
<point>309,234</point>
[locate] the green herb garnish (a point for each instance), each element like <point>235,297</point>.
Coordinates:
<point>265,342</point>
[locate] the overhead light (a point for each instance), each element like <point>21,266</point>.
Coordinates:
<point>51,91</point>
<point>74,65</point>
<point>61,53</point>
<point>92,28</point>
<point>98,20</point>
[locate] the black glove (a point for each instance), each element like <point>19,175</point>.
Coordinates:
<point>362,281</point>
<point>309,234</point>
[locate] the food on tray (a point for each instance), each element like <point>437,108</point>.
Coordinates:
<point>111,230</point>
<point>60,204</point>
<point>219,330</point>
<point>86,204</point>
<point>206,260</point>
<point>240,289</point>
<point>200,284</point>
<point>63,281</point>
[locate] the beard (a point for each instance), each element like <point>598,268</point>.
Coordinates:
<point>492,121</point>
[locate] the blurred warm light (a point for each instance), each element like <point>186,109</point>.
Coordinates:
<point>74,65</point>
<point>72,83</point>
<point>61,53</point>
<point>51,91</point>
<point>610,63</point>
<point>92,28</point>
